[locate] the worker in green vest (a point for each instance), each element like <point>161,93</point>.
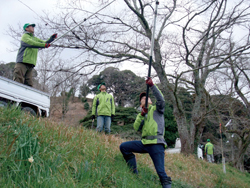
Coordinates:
<point>104,108</point>
<point>27,54</point>
<point>153,130</point>
<point>209,151</point>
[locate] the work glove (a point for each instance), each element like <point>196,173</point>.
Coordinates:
<point>54,36</point>
<point>93,117</point>
<point>47,45</point>
<point>112,117</point>
<point>149,82</point>
<point>144,111</point>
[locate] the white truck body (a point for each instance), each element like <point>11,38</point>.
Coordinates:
<point>24,96</point>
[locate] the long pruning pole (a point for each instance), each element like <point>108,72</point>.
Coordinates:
<point>85,19</point>
<point>151,50</point>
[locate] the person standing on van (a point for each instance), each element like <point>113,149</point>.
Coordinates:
<point>27,54</point>
<point>104,108</point>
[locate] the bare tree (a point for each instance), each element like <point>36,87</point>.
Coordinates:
<point>125,36</point>
<point>206,50</point>
<point>65,85</point>
<point>191,43</point>
<point>241,126</point>
<point>234,80</point>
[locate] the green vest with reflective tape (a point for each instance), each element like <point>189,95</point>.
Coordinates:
<point>103,105</point>
<point>29,46</point>
<point>153,129</point>
<point>209,148</point>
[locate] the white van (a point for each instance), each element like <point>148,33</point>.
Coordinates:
<point>29,99</point>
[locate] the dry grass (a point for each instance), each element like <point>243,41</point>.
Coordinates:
<point>72,117</point>
<point>185,168</point>
<point>188,169</point>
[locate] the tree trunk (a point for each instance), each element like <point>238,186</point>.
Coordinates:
<point>186,137</point>
<point>239,158</point>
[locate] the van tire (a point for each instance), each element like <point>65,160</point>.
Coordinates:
<point>3,104</point>
<point>29,110</point>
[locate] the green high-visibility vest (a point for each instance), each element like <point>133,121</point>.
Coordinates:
<point>209,148</point>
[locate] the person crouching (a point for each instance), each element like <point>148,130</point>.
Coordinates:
<point>153,130</point>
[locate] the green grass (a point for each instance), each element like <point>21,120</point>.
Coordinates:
<point>78,157</point>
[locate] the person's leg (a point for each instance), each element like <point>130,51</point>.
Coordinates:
<point>107,124</point>
<point>100,122</point>
<point>209,158</point>
<point>19,72</point>
<point>128,148</point>
<point>212,156</point>
<point>28,76</point>
<point>157,154</point>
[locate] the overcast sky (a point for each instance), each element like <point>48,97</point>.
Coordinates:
<point>13,13</point>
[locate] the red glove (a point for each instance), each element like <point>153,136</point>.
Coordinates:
<point>54,36</point>
<point>149,82</point>
<point>47,45</point>
<point>144,111</point>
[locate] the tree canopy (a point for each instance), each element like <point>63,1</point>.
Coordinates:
<point>124,85</point>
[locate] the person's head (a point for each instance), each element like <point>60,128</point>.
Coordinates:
<point>29,27</point>
<point>208,140</point>
<point>143,99</point>
<point>101,87</point>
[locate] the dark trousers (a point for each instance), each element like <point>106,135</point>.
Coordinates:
<point>156,152</point>
<point>23,73</point>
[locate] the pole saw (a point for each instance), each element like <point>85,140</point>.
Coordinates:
<point>150,61</point>
<point>85,19</point>
<point>151,52</point>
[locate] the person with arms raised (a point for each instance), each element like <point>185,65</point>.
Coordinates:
<point>153,130</point>
<point>27,54</point>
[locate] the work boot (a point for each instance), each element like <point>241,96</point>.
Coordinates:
<point>132,164</point>
<point>166,183</point>
<point>166,186</point>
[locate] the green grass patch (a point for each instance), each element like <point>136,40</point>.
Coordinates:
<point>79,157</point>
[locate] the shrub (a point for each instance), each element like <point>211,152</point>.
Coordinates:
<point>86,106</point>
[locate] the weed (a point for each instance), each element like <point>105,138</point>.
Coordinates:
<point>39,153</point>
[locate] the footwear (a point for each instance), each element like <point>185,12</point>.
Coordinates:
<point>166,183</point>
<point>132,164</point>
<point>166,186</point>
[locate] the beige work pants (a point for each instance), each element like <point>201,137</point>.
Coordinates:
<point>23,73</point>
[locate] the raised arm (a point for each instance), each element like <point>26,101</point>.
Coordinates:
<point>160,102</point>
<point>28,41</point>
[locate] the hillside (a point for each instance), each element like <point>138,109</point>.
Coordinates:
<point>75,111</point>
<point>67,156</point>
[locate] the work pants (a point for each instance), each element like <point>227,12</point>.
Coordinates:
<point>156,152</point>
<point>23,73</point>
<point>103,121</point>
<point>210,158</point>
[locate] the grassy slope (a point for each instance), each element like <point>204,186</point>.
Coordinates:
<point>77,157</point>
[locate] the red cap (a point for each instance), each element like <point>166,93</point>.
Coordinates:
<point>142,95</point>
